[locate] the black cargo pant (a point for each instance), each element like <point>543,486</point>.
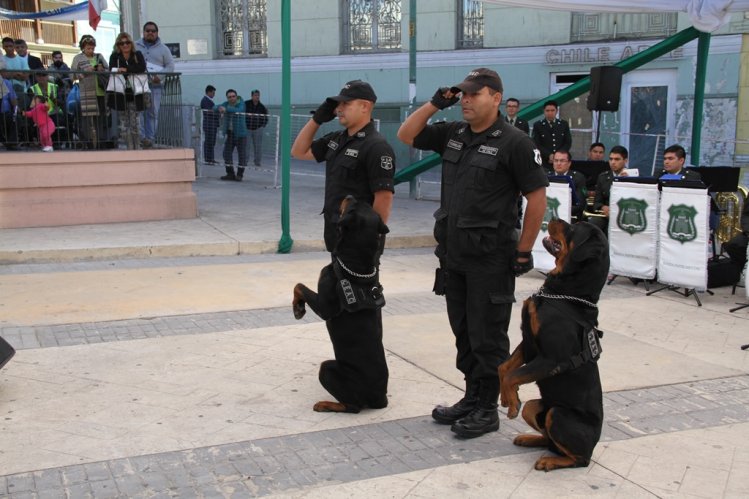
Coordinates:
<point>479,305</point>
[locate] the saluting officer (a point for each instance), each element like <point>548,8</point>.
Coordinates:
<point>486,164</point>
<point>551,134</point>
<point>360,162</point>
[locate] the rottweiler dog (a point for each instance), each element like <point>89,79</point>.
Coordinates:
<point>559,350</point>
<point>349,299</point>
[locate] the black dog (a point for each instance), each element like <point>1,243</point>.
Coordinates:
<point>559,350</point>
<point>349,299</point>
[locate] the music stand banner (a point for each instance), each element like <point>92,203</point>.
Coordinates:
<point>633,229</point>
<point>683,237</point>
<point>558,205</point>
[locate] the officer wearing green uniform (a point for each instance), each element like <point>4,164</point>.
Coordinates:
<point>486,164</point>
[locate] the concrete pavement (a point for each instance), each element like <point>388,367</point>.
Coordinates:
<point>145,371</point>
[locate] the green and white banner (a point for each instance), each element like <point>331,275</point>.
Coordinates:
<point>633,229</point>
<point>558,205</point>
<point>683,234</point>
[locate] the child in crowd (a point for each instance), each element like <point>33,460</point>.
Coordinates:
<point>39,114</point>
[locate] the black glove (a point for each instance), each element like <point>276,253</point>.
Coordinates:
<point>440,101</point>
<point>520,268</point>
<point>326,112</point>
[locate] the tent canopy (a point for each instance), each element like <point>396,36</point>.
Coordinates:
<point>706,15</point>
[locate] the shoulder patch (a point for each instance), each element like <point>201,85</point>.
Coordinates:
<point>537,157</point>
<point>333,145</point>
<point>386,162</point>
<point>455,144</point>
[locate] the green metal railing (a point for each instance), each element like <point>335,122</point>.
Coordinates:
<point>583,85</point>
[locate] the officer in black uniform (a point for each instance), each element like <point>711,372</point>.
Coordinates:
<point>486,164</point>
<point>551,134</point>
<point>360,162</point>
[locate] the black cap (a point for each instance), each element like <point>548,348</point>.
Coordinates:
<point>478,79</point>
<point>355,89</point>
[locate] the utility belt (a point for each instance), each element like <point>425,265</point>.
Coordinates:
<point>358,293</point>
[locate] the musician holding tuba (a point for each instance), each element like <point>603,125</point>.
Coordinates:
<point>736,247</point>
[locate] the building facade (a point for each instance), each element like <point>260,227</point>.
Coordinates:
<point>237,44</point>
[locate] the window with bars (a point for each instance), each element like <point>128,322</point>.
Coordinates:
<point>470,24</point>
<point>622,26</point>
<point>243,28</point>
<point>371,25</point>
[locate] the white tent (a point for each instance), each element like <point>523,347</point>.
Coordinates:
<point>706,15</point>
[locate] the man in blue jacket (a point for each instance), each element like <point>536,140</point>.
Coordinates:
<point>235,129</point>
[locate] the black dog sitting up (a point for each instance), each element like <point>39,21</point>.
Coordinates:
<point>349,298</point>
<point>560,348</point>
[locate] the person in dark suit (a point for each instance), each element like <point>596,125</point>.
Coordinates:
<point>674,158</point>
<point>618,157</point>
<point>562,162</point>
<point>35,64</point>
<point>551,134</point>
<point>210,124</point>
<point>512,107</point>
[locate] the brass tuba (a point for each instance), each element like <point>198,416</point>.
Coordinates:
<point>730,205</point>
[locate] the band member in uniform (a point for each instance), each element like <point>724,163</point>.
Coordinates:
<point>551,134</point>
<point>512,106</point>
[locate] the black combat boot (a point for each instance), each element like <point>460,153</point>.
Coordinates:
<point>483,418</point>
<point>450,414</point>
<point>240,174</point>
<point>229,174</point>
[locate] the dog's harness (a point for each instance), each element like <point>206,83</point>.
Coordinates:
<point>357,291</point>
<point>590,342</point>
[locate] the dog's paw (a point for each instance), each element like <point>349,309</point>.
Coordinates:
<point>551,463</point>
<point>530,440</point>
<point>299,310</point>
<point>327,406</point>
<point>513,411</point>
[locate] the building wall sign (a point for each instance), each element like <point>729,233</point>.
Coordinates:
<point>600,55</point>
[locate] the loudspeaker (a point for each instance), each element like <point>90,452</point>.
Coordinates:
<point>605,87</point>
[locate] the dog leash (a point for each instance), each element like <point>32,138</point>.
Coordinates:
<point>360,276</point>
<point>542,293</point>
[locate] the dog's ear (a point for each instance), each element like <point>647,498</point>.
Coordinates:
<point>588,241</point>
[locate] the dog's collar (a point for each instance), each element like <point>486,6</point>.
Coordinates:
<point>543,294</point>
<point>360,276</point>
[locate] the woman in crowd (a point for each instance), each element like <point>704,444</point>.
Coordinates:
<point>92,125</point>
<point>127,61</point>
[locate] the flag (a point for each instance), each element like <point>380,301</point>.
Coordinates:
<point>94,12</point>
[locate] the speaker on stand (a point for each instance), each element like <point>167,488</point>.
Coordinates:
<point>605,91</point>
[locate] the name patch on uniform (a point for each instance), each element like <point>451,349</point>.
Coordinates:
<point>488,150</point>
<point>333,145</point>
<point>454,144</point>
<point>537,157</point>
<point>354,153</point>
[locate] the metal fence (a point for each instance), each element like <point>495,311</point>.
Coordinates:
<point>270,148</point>
<point>92,123</point>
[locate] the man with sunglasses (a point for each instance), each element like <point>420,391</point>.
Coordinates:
<point>159,60</point>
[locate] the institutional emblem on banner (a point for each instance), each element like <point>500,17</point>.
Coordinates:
<point>631,217</point>
<point>681,226</point>
<point>552,212</point>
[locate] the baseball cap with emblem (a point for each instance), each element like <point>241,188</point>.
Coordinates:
<point>478,79</point>
<point>355,89</point>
